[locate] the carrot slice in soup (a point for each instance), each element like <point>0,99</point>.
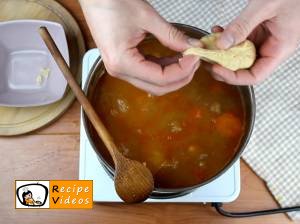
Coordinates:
<point>228,125</point>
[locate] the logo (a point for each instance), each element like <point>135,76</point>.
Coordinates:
<point>30,194</point>
<point>54,194</point>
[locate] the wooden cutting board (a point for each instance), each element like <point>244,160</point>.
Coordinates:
<point>16,121</point>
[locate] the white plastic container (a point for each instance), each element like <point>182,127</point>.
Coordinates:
<point>28,74</point>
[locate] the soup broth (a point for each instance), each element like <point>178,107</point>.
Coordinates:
<point>185,137</point>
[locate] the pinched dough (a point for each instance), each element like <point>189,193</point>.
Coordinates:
<point>241,56</point>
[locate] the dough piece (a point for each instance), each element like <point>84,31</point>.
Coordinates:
<point>42,76</point>
<point>241,56</point>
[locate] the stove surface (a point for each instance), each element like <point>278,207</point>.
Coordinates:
<point>226,188</point>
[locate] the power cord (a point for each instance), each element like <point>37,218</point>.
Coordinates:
<point>220,210</point>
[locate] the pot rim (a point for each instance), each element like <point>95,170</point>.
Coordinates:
<point>241,147</point>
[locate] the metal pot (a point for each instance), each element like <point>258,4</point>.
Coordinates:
<point>249,103</point>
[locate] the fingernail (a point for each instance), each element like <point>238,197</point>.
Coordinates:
<point>194,42</point>
<point>225,41</point>
<point>218,77</point>
<point>195,59</point>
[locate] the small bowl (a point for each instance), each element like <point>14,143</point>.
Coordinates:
<point>29,75</point>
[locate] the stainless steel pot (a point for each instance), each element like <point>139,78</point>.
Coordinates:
<point>249,100</point>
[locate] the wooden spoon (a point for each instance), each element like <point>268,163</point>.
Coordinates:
<point>133,181</point>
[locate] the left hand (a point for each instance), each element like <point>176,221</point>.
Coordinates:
<point>118,26</point>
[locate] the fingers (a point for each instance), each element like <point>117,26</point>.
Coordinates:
<point>154,75</point>
<point>159,76</point>
<point>154,88</point>
<point>217,29</point>
<point>157,90</point>
<point>272,53</point>
<point>261,70</point>
<point>240,28</point>
<point>151,76</point>
<point>170,36</point>
<point>164,61</point>
<point>135,65</point>
<point>170,74</point>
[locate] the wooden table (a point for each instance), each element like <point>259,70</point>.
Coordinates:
<point>53,153</point>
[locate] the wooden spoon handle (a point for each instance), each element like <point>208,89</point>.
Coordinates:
<point>87,107</point>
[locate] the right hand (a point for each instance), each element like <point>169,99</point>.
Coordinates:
<point>273,27</point>
<point>118,26</point>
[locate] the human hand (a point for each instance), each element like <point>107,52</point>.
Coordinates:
<point>273,27</point>
<point>118,26</point>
